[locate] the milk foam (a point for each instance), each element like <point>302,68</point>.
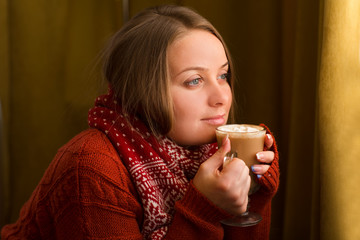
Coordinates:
<point>240,128</point>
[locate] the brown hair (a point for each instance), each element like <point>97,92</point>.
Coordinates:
<point>136,65</point>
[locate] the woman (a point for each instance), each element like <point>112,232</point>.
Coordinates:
<point>148,167</point>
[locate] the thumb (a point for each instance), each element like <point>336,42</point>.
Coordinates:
<point>217,159</point>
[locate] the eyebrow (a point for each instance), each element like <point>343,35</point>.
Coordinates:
<point>199,68</point>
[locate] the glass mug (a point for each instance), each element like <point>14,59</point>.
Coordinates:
<point>246,140</point>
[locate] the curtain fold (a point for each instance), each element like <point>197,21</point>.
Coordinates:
<point>339,115</point>
<point>322,66</point>
<point>49,50</point>
<point>300,56</point>
<point>4,112</point>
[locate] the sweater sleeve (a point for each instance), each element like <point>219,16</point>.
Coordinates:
<point>270,180</point>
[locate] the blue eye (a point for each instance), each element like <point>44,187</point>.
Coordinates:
<point>193,82</point>
<point>223,76</point>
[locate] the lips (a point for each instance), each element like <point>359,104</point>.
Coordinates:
<point>215,120</point>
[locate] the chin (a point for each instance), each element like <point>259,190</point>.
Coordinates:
<point>207,139</point>
<point>197,137</point>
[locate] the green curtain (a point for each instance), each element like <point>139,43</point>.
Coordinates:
<point>298,65</point>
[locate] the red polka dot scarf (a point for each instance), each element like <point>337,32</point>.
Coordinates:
<point>160,169</point>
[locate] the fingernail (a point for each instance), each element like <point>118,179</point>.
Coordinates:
<point>255,169</point>
<point>258,176</point>
<point>268,136</point>
<point>260,156</point>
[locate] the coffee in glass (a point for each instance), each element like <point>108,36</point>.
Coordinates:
<point>246,141</point>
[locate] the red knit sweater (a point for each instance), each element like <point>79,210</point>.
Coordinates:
<point>86,193</point>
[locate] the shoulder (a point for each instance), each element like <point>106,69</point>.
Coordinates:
<point>91,151</point>
<point>87,141</point>
<point>89,148</point>
<point>88,167</point>
<point>88,159</point>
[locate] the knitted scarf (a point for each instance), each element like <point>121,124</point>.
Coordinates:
<point>160,169</point>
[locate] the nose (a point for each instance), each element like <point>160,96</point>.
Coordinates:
<point>219,94</point>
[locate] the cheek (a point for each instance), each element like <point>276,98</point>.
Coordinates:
<point>230,96</point>
<point>185,104</point>
<point>186,115</point>
<point>231,99</point>
<point>185,111</point>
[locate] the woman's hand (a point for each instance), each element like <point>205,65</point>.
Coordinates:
<point>265,158</point>
<point>228,187</point>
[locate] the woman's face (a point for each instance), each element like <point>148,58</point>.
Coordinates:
<point>200,92</point>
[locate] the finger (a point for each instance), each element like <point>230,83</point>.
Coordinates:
<point>218,158</point>
<point>259,169</point>
<point>265,157</point>
<point>269,141</point>
<point>242,202</point>
<point>245,198</point>
<point>236,169</point>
